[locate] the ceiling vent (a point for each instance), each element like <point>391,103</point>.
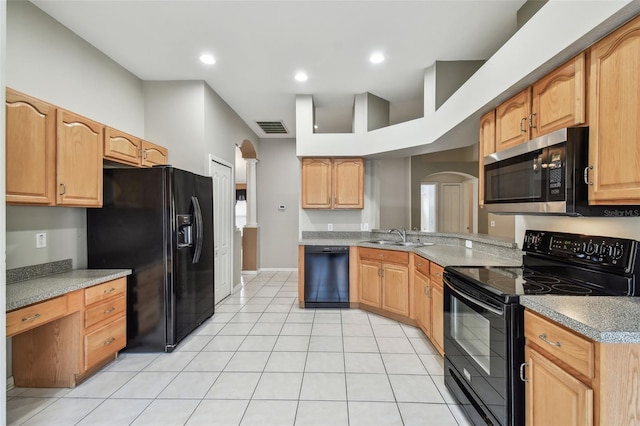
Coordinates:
<point>272,127</point>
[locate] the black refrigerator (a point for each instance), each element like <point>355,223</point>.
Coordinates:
<point>159,223</point>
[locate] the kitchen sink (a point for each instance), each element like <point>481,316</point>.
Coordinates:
<point>399,243</point>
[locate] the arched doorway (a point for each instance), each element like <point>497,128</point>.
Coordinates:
<point>449,203</point>
<point>246,210</point>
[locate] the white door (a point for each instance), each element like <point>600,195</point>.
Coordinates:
<point>450,207</point>
<point>223,197</point>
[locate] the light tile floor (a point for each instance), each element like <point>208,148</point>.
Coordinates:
<point>261,360</point>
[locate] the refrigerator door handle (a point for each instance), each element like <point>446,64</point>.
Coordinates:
<point>197,213</point>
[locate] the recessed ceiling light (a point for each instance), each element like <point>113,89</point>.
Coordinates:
<point>208,59</point>
<point>376,58</point>
<point>301,76</point>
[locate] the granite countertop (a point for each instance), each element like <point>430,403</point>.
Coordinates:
<point>605,319</point>
<point>441,252</point>
<point>38,289</point>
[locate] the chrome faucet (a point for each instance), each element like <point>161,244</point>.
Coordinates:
<point>402,232</point>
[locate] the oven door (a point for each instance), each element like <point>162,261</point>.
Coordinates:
<point>479,354</point>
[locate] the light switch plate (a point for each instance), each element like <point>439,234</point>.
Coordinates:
<point>364,226</point>
<point>468,244</point>
<point>330,227</point>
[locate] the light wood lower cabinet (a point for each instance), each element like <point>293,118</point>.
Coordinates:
<point>572,380</point>
<point>384,280</point>
<point>60,342</point>
<point>429,300</point>
<point>555,396</point>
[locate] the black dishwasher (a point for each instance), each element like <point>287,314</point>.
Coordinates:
<point>326,277</point>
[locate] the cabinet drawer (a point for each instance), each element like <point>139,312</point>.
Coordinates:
<point>112,308</point>
<point>385,255</point>
<point>105,341</point>
<point>103,291</point>
<point>437,272</point>
<point>32,316</point>
<point>421,264</point>
<point>568,347</point>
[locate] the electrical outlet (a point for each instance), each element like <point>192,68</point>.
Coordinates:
<point>330,227</point>
<point>493,223</point>
<point>468,244</point>
<point>364,226</point>
<point>41,239</point>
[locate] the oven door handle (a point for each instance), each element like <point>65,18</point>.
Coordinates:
<point>474,301</point>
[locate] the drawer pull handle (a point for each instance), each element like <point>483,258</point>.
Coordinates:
<point>419,264</point>
<point>111,290</point>
<point>31,318</point>
<point>109,341</point>
<point>543,337</point>
<point>111,309</point>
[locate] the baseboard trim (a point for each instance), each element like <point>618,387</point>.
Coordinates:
<point>278,269</point>
<point>249,272</point>
<point>10,383</point>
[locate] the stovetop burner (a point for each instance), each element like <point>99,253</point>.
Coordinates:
<point>519,281</point>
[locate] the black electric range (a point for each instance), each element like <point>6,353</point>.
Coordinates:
<point>483,320</point>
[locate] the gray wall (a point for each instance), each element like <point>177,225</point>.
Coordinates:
<point>394,175</point>
<point>450,75</point>
<point>278,175</point>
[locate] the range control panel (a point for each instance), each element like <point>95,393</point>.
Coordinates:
<point>618,253</point>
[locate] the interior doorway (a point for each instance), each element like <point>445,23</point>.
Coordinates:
<point>448,203</point>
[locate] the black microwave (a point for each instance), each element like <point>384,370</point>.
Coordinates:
<point>545,176</point>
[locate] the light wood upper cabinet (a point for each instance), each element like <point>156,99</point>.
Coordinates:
<point>487,145</point>
<point>127,149</point>
<point>348,183</point>
<point>122,147</point>
<point>316,183</point>
<point>559,99</point>
<point>153,155</point>
<point>556,101</point>
<point>511,121</point>
<point>79,160</point>
<point>614,147</point>
<point>332,183</point>
<point>30,150</point>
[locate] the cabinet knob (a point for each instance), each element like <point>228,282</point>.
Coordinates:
<point>63,189</point>
<point>109,341</point>
<point>586,175</point>
<point>522,367</point>
<point>544,338</point>
<point>523,120</point>
<point>531,121</point>
<point>31,318</point>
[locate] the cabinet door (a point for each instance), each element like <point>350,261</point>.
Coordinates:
<point>512,127</point>
<point>316,183</point>
<point>348,183</point>
<point>153,155</point>
<point>30,150</point>
<point>437,316</point>
<point>486,146</point>
<point>559,99</point>
<point>553,396</point>
<point>395,289</point>
<point>79,160</point>
<point>122,147</point>
<point>614,127</point>
<point>422,291</point>
<point>370,283</point>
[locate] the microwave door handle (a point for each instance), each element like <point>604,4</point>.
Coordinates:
<point>197,213</point>
<point>474,301</point>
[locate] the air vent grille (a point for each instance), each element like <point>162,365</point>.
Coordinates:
<point>272,127</point>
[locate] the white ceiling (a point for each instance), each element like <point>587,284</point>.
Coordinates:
<point>259,46</point>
